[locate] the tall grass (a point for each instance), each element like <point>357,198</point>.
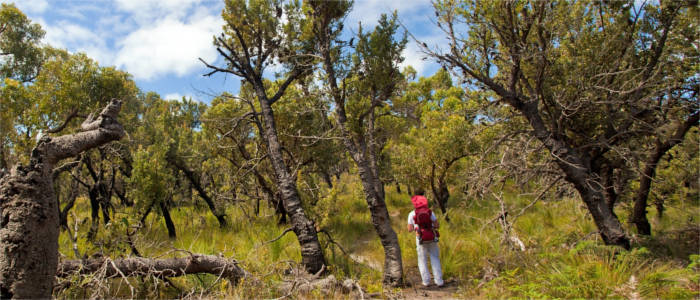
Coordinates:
<point>564,258</point>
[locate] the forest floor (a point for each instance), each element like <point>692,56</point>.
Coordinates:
<point>417,291</point>
<point>563,259</point>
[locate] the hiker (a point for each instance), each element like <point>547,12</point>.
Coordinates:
<point>423,221</point>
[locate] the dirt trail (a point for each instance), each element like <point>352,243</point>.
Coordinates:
<point>414,288</point>
<point>448,291</point>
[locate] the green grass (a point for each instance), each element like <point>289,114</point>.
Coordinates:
<point>565,258</point>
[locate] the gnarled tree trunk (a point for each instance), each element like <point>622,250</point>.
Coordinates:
<point>639,213</point>
<point>365,157</point>
<point>311,252</point>
<point>577,168</point>
<point>393,263</point>
<point>29,223</point>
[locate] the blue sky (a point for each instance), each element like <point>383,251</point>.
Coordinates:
<point>159,41</point>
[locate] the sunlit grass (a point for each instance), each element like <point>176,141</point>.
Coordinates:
<point>564,258</point>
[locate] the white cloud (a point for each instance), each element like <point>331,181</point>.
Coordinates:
<point>169,46</point>
<point>76,38</point>
<point>178,97</point>
<point>65,34</point>
<point>80,10</point>
<point>31,6</point>
<point>145,11</point>
<point>414,57</point>
<point>173,96</point>
<point>141,5</point>
<point>147,38</point>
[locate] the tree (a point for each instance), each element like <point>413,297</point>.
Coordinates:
<point>444,132</point>
<point>176,162</point>
<point>150,183</point>
<point>361,88</point>
<point>590,78</point>
<point>248,173</point>
<point>29,230</point>
<point>661,146</point>
<point>676,180</point>
<point>255,37</point>
<point>166,136</point>
<point>68,86</point>
<point>19,45</point>
<point>20,59</point>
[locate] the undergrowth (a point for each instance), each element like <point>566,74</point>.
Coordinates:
<point>564,256</point>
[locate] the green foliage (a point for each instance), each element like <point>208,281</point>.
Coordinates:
<point>442,133</point>
<point>676,183</point>
<point>150,180</point>
<point>375,79</point>
<point>20,61</point>
<point>586,66</point>
<point>256,30</point>
<point>19,44</point>
<point>68,84</point>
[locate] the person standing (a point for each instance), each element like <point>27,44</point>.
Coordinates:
<point>423,221</point>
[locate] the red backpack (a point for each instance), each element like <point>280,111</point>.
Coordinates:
<point>426,233</point>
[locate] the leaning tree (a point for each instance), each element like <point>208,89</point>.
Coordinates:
<point>256,36</point>
<point>594,80</point>
<point>361,84</point>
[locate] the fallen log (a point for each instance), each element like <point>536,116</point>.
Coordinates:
<point>167,267</point>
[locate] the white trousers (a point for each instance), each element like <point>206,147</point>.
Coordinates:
<point>432,250</point>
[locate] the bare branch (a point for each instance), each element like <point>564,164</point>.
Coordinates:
<point>70,117</point>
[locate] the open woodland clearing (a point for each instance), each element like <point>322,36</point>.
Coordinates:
<point>558,145</point>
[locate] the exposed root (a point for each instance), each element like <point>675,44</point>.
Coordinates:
<point>298,281</point>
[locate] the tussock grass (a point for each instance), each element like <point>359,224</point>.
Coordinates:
<point>565,258</point>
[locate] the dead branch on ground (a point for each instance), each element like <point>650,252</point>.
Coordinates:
<point>167,267</point>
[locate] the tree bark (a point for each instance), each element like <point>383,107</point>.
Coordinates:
<point>305,229</point>
<point>168,267</point>
<point>194,180</point>
<point>440,191</point>
<point>29,223</point>
<point>94,212</point>
<point>100,197</point>
<point>578,172</point>
<point>393,263</point>
<point>611,195</point>
<point>280,211</point>
<point>327,178</point>
<point>123,198</point>
<point>371,184</point>
<point>639,212</point>
<point>63,215</point>
<point>168,221</point>
<point>142,221</point>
